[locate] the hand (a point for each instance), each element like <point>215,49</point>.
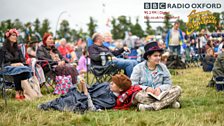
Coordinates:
<point>126,49</point>
<point>61,63</point>
<point>149,89</point>
<point>157,91</point>
<point>114,58</point>
<point>81,84</point>
<point>112,49</point>
<point>17,64</point>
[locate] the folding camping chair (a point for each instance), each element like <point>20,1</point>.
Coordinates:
<point>104,72</point>
<point>3,87</point>
<point>49,73</point>
<point>5,81</point>
<point>175,62</point>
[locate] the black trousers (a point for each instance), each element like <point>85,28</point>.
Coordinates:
<point>17,79</point>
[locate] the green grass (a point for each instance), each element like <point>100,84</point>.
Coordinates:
<point>201,106</point>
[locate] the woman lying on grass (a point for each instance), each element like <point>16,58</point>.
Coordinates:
<point>97,97</point>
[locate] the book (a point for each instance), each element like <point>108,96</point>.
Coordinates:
<point>160,96</point>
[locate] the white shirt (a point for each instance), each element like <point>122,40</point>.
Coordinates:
<point>175,38</point>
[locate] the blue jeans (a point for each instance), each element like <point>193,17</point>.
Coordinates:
<point>125,64</point>
<point>175,49</point>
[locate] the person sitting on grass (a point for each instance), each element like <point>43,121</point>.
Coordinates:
<point>154,77</point>
<point>97,97</point>
<point>218,69</point>
<point>209,60</point>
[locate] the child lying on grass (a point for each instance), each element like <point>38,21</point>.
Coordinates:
<point>97,97</point>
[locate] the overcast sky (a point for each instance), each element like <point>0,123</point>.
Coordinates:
<point>77,12</point>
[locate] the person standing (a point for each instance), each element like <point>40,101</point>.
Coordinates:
<point>175,39</point>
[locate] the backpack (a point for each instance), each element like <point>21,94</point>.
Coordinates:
<point>124,101</point>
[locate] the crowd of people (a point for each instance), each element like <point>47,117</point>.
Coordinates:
<point>143,61</point>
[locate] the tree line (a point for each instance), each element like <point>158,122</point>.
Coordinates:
<point>119,25</point>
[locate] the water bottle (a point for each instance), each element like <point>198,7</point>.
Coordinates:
<point>68,55</point>
<point>109,58</point>
<point>139,58</point>
<point>125,55</point>
<point>103,58</point>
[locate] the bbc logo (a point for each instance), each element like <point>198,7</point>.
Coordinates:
<point>154,5</point>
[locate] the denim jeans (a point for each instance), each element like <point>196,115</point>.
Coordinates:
<point>175,49</point>
<point>19,73</point>
<point>125,64</point>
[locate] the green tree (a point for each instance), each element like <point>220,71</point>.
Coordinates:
<point>9,24</point>
<point>183,25</point>
<point>45,27</point>
<point>74,35</point>
<point>149,30</point>
<point>120,26</point>
<point>222,20</point>
<point>91,26</point>
<point>116,29</point>
<point>160,29</point>
<point>64,31</point>
<point>167,24</point>
<point>81,34</point>
<point>18,24</point>
<point>137,29</point>
<point>217,16</point>
<point>3,29</point>
<point>37,25</point>
<point>3,26</point>
<point>125,24</point>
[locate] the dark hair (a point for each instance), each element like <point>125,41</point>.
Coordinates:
<point>209,43</point>
<point>12,49</point>
<point>84,52</point>
<point>177,22</point>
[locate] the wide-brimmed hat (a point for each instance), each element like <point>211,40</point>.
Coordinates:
<point>151,48</point>
<point>34,39</point>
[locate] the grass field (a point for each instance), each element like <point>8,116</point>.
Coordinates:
<point>201,106</point>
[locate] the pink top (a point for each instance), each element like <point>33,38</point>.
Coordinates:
<point>82,63</point>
